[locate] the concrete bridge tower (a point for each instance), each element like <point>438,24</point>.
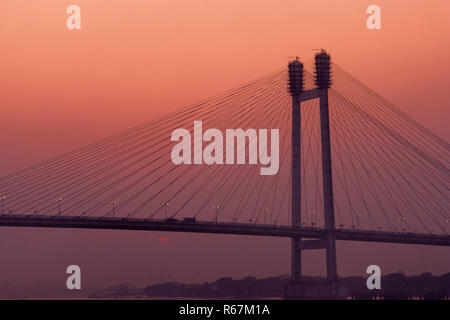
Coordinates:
<point>297,287</point>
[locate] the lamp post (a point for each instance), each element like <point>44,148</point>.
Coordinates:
<point>113,208</point>
<point>313,218</point>
<point>401,219</point>
<point>166,207</point>
<point>216,207</point>
<point>3,203</point>
<point>58,202</point>
<point>357,221</point>
<point>265,211</point>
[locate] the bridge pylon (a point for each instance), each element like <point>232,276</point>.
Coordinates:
<point>297,287</point>
<point>296,89</point>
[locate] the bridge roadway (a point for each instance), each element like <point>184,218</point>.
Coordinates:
<point>250,229</point>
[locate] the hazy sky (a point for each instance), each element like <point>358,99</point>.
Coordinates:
<point>136,59</point>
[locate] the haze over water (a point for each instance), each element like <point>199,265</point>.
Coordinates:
<point>136,60</point>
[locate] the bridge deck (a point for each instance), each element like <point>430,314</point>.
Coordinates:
<point>218,228</point>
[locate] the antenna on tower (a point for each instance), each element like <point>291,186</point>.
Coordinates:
<point>316,51</point>
<point>297,58</point>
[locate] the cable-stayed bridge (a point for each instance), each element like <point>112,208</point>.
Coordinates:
<point>352,166</point>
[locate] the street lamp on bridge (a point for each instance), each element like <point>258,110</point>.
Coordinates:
<point>216,207</point>
<point>265,211</point>
<point>3,198</point>
<point>166,207</point>
<point>58,202</point>
<point>402,219</point>
<point>313,218</point>
<point>113,208</point>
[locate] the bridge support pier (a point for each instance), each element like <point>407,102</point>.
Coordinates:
<point>323,82</point>
<point>295,89</point>
<point>330,238</point>
<point>296,268</point>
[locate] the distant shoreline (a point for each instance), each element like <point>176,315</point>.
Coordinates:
<point>270,288</point>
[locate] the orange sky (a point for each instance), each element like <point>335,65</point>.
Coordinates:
<point>135,59</point>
